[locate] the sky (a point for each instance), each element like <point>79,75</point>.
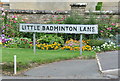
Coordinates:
<point>4,0</point>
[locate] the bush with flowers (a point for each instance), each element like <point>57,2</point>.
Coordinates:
<point>15,42</point>
<point>107,46</point>
<point>10,24</point>
<point>108,30</point>
<point>75,45</point>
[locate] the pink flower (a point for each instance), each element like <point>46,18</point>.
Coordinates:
<point>14,17</point>
<point>2,9</point>
<point>101,31</point>
<point>58,20</point>
<point>113,24</point>
<point>63,18</point>
<point>53,16</point>
<point>10,20</point>
<point>3,27</point>
<point>109,28</point>
<point>15,21</point>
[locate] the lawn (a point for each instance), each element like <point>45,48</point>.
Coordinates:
<point>25,57</point>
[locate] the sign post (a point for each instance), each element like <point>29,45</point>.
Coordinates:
<point>80,44</point>
<point>59,28</point>
<point>34,43</point>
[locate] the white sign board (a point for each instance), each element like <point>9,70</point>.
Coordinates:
<point>59,28</point>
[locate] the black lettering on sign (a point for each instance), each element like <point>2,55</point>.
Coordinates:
<point>23,27</point>
<point>31,27</point>
<point>35,28</point>
<point>66,28</point>
<point>62,28</point>
<point>80,28</point>
<point>55,28</point>
<point>70,28</point>
<point>84,29</point>
<point>75,28</point>
<point>47,28</point>
<point>28,27</point>
<point>38,27</point>
<point>93,29</point>
<point>43,27</point>
<point>88,28</point>
<point>51,28</point>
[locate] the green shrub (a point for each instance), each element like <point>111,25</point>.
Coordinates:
<point>99,6</point>
<point>99,3</point>
<point>94,42</point>
<point>50,39</point>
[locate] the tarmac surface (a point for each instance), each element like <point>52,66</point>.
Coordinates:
<point>108,60</point>
<point>68,69</point>
<point>109,63</point>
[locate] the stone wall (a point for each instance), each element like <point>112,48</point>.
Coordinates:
<point>39,18</point>
<point>45,16</point>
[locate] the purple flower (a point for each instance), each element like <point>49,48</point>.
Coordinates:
<point>8,35</point>
<point>3,35</point>
<point>4,46</point>
<point>70,44</point>
<point>3,31</point>
<point>7,39</point>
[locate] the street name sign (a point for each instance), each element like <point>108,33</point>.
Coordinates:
<point>59,28</point>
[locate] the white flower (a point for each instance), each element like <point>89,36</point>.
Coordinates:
<point>105,42</point>
<point>15,18</point>
<point>109,41</point>
<point>3,14</point>
<point>98,47</point>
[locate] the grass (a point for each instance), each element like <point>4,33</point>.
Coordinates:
<point>25,57</point>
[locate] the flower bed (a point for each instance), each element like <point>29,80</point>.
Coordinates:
<point>75,45</point>
<point>53,46</point>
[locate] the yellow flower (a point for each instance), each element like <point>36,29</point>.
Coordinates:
<point>59,44</point>
<point>71,48</point>
<point>0,42</point>
<point>42,48</point>
<point>47,48</point>
<point>30,44</point>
